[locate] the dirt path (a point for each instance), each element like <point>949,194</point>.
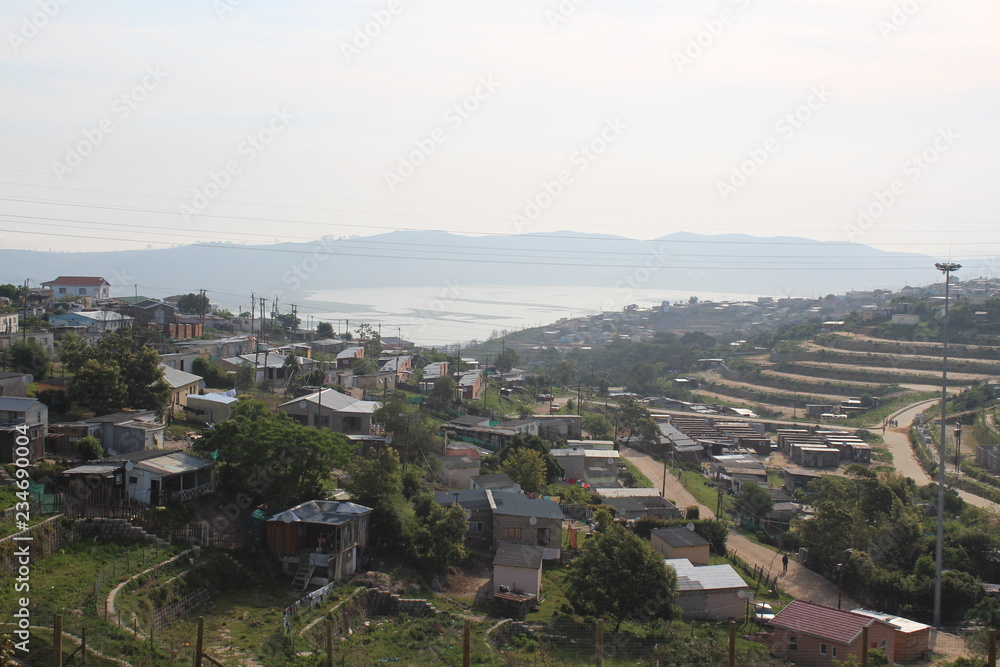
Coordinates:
<point>799,582</point>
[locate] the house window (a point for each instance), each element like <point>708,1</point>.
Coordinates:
<point>833,651</point>
<point>793,643</point>
<point>62,290</point>
<point>133,480</point>
<point>83,291</point>
<point>476,526</point>
<point>513,533</point>
<point>822,649</point>
<point>883,645</point>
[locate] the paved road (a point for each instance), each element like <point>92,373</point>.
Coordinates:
<point>799,582</point>
<point>898,441</point>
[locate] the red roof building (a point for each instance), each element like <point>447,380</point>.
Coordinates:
<point>813,634</point>
<point>93,287</point>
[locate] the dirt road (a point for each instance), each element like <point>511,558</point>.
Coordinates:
<point>798,582</point>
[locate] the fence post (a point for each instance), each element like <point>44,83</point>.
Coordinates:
<point>732,643</point>
<point>198,641</point>
<point>467,644</point>
<point>57,639</point>
<point>329,642</point>
<point>864,646</point>
<point>600,643</point>
<point>83,645</point>
<point>992,649</point>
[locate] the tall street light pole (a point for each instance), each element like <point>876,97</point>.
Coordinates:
<point>947,268</point>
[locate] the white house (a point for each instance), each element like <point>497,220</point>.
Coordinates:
<point>712,592</point>
<point>519,568</point>
<point>93,320</point>
<point>171,475</point>
<point>92,287</point>
<point>182,385</point>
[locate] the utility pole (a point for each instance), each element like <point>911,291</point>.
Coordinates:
<point>201,310</point>
<point>295,319</point>
<point>947,268</point>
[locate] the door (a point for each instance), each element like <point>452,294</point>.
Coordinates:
<point>154,492</point>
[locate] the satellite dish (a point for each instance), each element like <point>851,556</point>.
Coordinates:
<point>468,514</point>
<point>611,461</point>
<point>621,511</point>
<point>750,596</point>
<point>538,423</point>
<point>690,526</point>
<point>303,405</point>
<point>129,465</point>
<point>29,378</point>
<point>388,439</point>
<point>741,593</point>
<point>533,521</point>
<point>517,488</point>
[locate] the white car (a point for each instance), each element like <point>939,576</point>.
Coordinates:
<point>762,613</point>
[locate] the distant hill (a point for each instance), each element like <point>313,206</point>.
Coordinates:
<point>681,261</point>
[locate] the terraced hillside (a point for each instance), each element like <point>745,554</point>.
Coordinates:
<point>834,367</point>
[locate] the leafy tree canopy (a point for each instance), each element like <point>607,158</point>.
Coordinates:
<point>114,374</point>
<point>89,448</point>
<point>29,356</point>
<point>272,458</point>
<point>194,304</point>
<point>526,467</point>
<point>618,575</point>
<point>324,330</point>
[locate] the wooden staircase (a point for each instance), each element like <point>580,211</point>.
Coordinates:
<point>304,574</point>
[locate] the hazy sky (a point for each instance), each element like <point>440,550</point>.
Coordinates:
<point>128,124</point>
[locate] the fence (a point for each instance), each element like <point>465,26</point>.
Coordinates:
<point>756,572</point>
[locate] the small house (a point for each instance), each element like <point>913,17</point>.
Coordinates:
<point>182,385</point>
<point>679,542</point>
<point>210,408</point>
<point>320,541</point>
<point>813,634</point>
<point>457,472</point>
<point>519,568</point>
<point>709,592</point>
<point>911,638</point>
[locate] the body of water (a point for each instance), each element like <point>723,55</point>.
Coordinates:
<point>434,316</point>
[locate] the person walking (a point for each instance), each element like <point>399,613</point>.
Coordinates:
<point>784,563</point>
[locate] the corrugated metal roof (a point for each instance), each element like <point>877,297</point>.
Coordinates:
<point>680,536</point>
<point>519,555</point>
<point>173,464</point>
<point>704,577</point>
<point>176,378</point>
<point>326,512</point>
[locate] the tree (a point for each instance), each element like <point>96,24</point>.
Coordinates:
<point>563,373</point>
<point>289,321</point>
<point>755,502</point>
<point>89,448</point>
<point>194,304</point>
<point>29,356</point>
<point>378,483</point>
<point>553,471</point>
<point>114,374</point>
<point>371,339</point>
<point>272,459</point>
<point>324,330</point>
<point>440,533</point>
<point>618,575</point>
<point>246,374</point>
<point>214,376</point>
<point>635,421</point>
<point>443,391</point>
<point>598,426</point>
<point>507,359</point>
<point>526,467</point>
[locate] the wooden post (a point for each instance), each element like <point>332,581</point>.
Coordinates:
<point>83,645</point>
<point>329,642</point>
<point>864,646</point>
<point>467,644</point>
<point>600,643</point>
<point>732,643</point>
<point>992,649</point>
<point>57,639</point>
<point>198,641</point>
